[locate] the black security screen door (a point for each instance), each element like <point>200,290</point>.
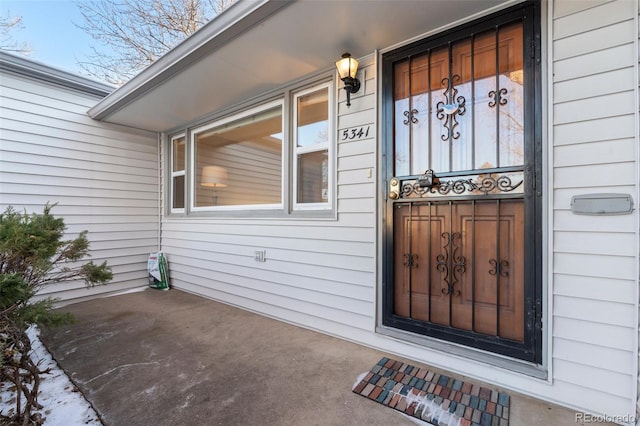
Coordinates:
<point>462,218</point>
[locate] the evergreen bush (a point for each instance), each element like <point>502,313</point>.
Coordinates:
<point>33,255</point>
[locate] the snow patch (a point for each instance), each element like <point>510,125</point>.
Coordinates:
<point>432,411</point>
<point>62,404</point>
<point>359,379</point>
<point>151,391</point>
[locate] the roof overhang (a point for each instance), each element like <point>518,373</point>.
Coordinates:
<point>258,46</point>
<point>27,67</point>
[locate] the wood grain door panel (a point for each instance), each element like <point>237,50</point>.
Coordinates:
<point>474,281</point>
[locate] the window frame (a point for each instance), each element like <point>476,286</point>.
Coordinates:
<point>286,209</point>
<point>221,122</point>
<point>329,146</point>
<point>173,174</point>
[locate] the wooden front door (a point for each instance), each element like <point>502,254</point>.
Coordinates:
<point>463,213</point>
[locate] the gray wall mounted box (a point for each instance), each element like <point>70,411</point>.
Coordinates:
<point>602,204</point>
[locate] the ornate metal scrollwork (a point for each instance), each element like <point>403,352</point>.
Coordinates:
<point>410,260</point>
<point>409,188</point>
<point>411,116</point>
<point>447,110</point>
<point>497,97</point>
<point>485,185</point>
<point>450,263</point>
<point>499,268</point>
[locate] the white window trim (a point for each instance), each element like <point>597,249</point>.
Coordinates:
<point>176,174</point>
<point>238,116</point>
<point>329,146</point>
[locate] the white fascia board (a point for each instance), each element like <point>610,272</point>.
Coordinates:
<point>237,19</point>
<point>26,67</point>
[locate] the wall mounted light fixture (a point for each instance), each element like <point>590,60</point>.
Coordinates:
<point>347,69</point>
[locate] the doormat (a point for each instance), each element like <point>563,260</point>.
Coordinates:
<point>432,397</point>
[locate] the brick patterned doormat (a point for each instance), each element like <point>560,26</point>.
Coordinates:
<point>432,397</point>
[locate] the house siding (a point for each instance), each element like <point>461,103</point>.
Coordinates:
<point>592,315</point>
<point>318,273</point>
<point>104,178</point>
<point>595,259</point>
<point>637,71</point>
<point>325,274</point>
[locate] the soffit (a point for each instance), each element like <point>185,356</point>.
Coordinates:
<point>258,47</point>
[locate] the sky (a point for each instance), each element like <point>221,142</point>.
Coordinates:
<point>50,31</point>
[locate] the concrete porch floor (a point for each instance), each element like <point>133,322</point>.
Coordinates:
<point>172,358</point>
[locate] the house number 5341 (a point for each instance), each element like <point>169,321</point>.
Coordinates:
<point>355,133</point>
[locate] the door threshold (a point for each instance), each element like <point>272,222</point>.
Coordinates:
<point>530,369</point>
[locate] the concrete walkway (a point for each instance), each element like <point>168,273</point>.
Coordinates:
<point>171,358</point>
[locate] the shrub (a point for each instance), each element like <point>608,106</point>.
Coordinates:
<point>33,254</point>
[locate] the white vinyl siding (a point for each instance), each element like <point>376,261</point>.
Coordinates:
<point>322,274</point>
<point>595,258</point>
<point>592,320</point>
<point>637,70</point>
<point>318,273</point>
<point>103,177</point>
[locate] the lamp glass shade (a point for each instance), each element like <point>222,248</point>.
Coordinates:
<point>347,67</point>
<point>214,177</point>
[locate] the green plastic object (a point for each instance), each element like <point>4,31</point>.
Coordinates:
<point>158,271</point>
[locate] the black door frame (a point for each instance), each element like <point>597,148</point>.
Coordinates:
<point>531,349</point>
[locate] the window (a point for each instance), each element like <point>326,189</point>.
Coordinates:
<point>312,130</point>
<point>238,162</point>
<point>178,162</point>
<point>276,156</point>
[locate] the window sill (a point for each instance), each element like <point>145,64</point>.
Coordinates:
<point>325,214</point>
